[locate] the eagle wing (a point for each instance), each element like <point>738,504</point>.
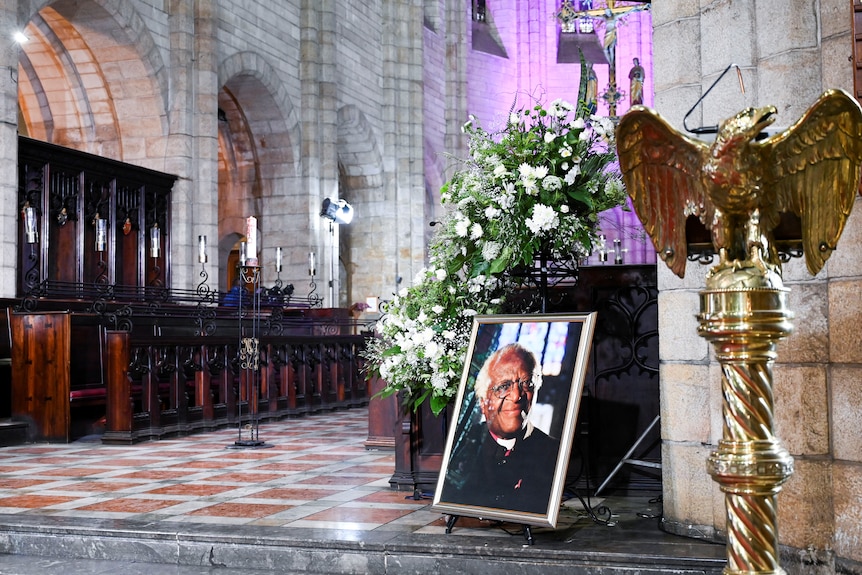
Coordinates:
<point>815,171</point>
<point>661,170</point>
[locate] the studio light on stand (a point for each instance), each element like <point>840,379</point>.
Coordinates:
<point>337,212</point>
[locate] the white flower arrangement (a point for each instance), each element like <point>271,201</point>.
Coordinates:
<point>534,188</point>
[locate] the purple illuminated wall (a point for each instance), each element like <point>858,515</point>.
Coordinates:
<point>524,68</point>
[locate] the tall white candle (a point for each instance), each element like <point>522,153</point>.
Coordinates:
<point>101,233</point>
<point>202,249</point>
<point>311,263</point>
<point>278,259</point>
<point>251,240</point>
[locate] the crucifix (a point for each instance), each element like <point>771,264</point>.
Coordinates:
<point>612,16</point>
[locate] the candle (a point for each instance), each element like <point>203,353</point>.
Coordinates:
<point>251,240</point>
<point>101,234</point>
<point>202,249</point>
<point>155,241</point>
<point>278,259</point>
<point>30,225</point>
<point>243,252</point>
<point>618,251</point>
<point>311,264</point>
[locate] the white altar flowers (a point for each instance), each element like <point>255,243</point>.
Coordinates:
<point>536,187</point>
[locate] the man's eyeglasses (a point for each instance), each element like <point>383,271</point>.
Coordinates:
<point>501,390</point>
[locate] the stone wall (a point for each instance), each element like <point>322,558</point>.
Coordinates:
<point>789,53</point>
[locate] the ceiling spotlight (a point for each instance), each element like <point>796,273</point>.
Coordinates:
<point>338,211</point>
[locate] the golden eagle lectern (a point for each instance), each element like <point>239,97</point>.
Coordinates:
<point>738,186</point>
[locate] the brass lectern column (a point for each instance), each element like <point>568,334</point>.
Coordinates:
<point>738,187</point>
<point>744,324</point>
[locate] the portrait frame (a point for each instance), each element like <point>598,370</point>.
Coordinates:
<point>468,483</point>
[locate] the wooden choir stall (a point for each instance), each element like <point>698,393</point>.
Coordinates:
<point>99,342</point>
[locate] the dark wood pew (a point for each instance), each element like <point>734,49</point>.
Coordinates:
<point>57,360</point>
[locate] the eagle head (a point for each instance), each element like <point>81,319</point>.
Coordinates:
<point>737,131</point>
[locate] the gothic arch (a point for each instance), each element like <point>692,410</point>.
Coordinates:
<point>81,79</point>
<point>257,155</point>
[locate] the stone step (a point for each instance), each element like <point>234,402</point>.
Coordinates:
<point>261,548</point>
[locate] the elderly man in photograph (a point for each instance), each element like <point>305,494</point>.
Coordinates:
<point>504,462</point>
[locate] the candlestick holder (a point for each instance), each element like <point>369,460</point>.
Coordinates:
<point>248,359</point>
<point>205,316</point>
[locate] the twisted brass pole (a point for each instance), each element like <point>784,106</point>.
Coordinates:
<point>744,324</point>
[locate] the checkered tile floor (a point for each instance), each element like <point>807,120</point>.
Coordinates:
<point>316,473</point>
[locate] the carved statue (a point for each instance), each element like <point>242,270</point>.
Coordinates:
<point>739,185</point>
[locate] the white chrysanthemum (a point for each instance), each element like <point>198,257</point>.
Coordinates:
<point>540,172</point>
<point>491,212</point>
<point>462,227</point>
<point>475,232</point>
<point>584,136</point>
<point>440,273</point>
<point>530,186</point>
<point>544,218</point>
<point>550,137</point>
<point>525,170</point>
<point>499,170</point>
<point>578,124</point>
<point>490,251</point>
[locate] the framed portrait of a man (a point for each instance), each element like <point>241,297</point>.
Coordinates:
<point>508,445</point>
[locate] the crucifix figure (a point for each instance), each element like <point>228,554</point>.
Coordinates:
<point>611,15</point>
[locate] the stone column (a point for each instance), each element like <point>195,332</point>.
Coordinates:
<point>9,208</point>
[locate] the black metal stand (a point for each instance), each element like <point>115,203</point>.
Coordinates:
<point>526,529</point>
<point>627,458</point>
<point>249,362</point>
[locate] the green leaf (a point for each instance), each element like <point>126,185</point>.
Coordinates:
<point>418,401</point>
<point>498,266</point>
<point>438,404</point>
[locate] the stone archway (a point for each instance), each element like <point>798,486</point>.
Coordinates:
<point>257,166</point>
<point>80,77</point>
